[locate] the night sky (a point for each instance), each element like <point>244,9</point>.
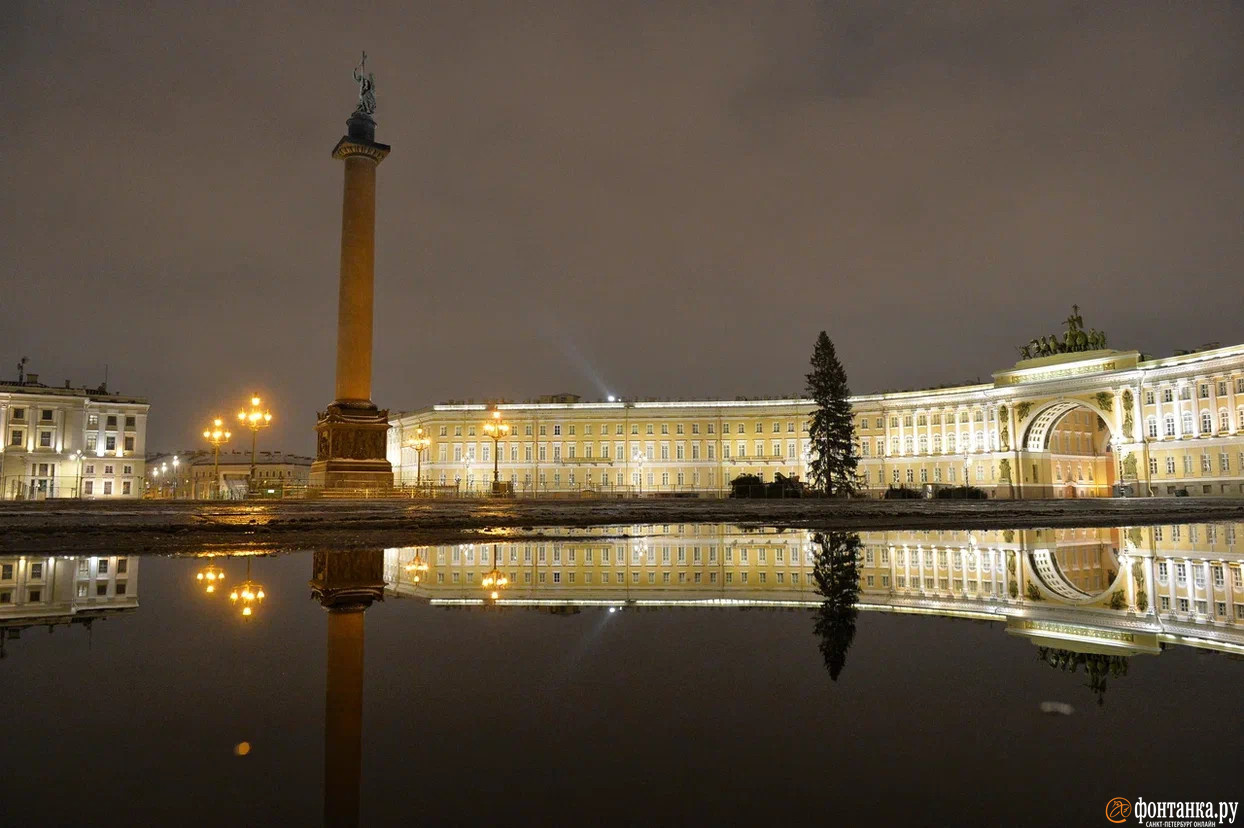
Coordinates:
<point>646,199</point>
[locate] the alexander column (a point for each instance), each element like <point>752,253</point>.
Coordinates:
<point>351,434</point>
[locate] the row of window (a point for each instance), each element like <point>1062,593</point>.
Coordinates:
<point>907,420</point>
<point>649,428</point>
<point>35,569</point>
<point>911,445</point>
<point>1217,571</point>
<point>48,415</point>
<point>1187,421</point>
<point>1202,607</point>
<point>1206,465</point>
<point>1185,391</point>
<point>35,595</point>
<point>17,438</point>
<point>620,577</point>
<point>1177,532</point>
<point>558,452</point>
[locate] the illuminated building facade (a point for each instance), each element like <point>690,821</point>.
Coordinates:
<point>70,442</point>
<point>1084,424</point>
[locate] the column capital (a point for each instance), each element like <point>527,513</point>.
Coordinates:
<point>348,147</point>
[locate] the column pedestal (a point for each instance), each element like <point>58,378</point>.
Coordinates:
<point>350,449</point>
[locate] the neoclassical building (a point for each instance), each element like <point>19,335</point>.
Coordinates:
<point>70,442</point>
<point>1082,423</point>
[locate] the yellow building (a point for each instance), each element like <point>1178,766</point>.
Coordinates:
<point>1081,424</point>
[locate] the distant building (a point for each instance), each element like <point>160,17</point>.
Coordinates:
<point>189,474</point>
<point>70,442</point>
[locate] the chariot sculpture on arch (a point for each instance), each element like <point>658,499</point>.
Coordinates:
<point>1075,339</point>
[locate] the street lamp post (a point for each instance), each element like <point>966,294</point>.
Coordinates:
<point>176,477</point>
<point>496,429</point>
<point>419,442</point>
<point>638,457</point>
<point>217,436</point>
<point>255,419</point>
<point>77,455</point>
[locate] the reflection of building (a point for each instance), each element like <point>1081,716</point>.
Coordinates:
<point>44,429</point>
<point>1099,581</point>
<point>1071,425</point>
<point>54,590</point>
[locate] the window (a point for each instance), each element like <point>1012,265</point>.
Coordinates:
<point>1168,423</point>
<point>1167,395</point>
<point>107,487</point>
<point>1207,422</point>
<point>129,422</point>
<point>111,421</point>
<point>45,439</point>
<point>16,437</point>
<point>110,443</point>
<point>19,413</point>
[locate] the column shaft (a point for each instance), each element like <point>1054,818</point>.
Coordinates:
<point>354,303</point>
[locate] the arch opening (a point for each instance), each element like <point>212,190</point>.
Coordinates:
<point>1069,452</point>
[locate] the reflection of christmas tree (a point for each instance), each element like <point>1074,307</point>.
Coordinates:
<point>837,580</point>
<point>1098,667</point>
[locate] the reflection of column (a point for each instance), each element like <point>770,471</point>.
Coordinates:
<point>346,584</point>
<point>343,716</point>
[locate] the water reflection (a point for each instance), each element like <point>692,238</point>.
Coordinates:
<point>1088,600</point>
<point>345,584</point>
<point>63,590</point>
<point>1085,591</point>
<point>835,571</point>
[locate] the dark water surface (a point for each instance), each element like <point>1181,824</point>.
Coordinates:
<point>589,705</point>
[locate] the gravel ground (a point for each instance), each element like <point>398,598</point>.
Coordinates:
<point>189,527</point>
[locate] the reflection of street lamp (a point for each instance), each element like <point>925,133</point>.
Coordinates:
<point>248,593</point>
<point>255,419</point>
<point>966,468</point>
<point>217,436</point>
<point>494,580</point>
<point>419,442</point>
<point>417,567</point>
<point>210,576</point>
<point>496,429</point>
